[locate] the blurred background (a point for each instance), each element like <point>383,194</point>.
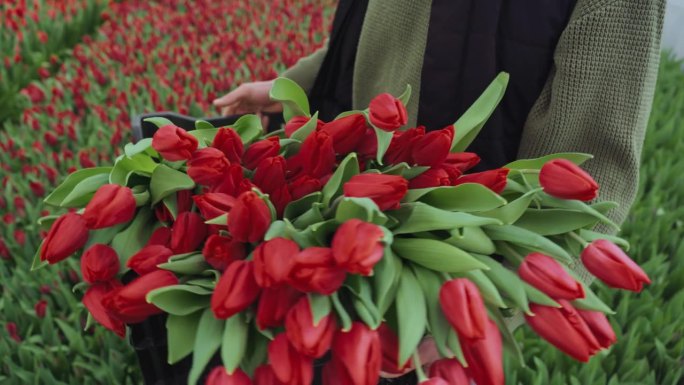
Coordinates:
<point>74,72</point>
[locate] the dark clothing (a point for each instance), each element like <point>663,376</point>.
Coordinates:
<point>468,43</point>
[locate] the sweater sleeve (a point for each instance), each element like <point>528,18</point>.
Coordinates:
<point>306,69</point>
<point>599,94</point>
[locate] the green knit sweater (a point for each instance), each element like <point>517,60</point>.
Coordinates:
<point>597,98</point>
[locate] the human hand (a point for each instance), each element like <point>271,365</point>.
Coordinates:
<point>249,98</point>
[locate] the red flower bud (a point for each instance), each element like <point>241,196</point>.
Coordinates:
<point>146,260</point>
<point>288,364</point>
<point>390,351</point>
<point>401,148</point>
<point>563,179</point>
<point>274,303</point>
<point>232,181</point>
<point>219,376</point>
<point>599,326</point>
<point>463,307</point>
<point>357,246</point>
<point>93,301</point>
<point>368,147</point>
<point>304,185</point>
<point>99,263</point>
<point>494,180</point>
<point>610,264</point>
<point>40,308</point>
<point>547,275</point>
<point>315,158</point>
<point>111,205</point>
<point>229,143</point>
<point>450,370</point>
<point>273,260</point>
<point>188,233</point>
<point>264,375</point>
<point>249,218</point>
<point>160,236</point>
<point>433,148</point>
<point>261,150</point>
<point>67,235</point>
<point>433,177</point>
<point>235,291</point>
<point>212,205</point>
<point>220,251</point>
<point>311,340</point>
<point>13,331</point>
<point>385,190</point>
<point>314,270</point>
<point>297,122</point>
<point>462,161</point>
<point>37,188</point>
<point>485,357</point>
<point>128,303</point>
<point>207,166</point>
<point>269,175</point>
<point>357,355</point>
<point>387,113</point>
<point>346,132</point>
<point>173,143</point>
<point>565,329</point>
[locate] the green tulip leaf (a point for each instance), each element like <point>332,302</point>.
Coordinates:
<point>555,221</point>
<point>430,282</point>
<point>342,313</point>
<point>513,210</point>
<point>208,339</point>
<point>248,127</point>
<point>143,145</point>
<point>538,297</point>
<point>467,197</point>
<point>57,196</point>
<point>181,332</point>
<point>411,314</point>
<point>305,130</point>
<point>487,288</point>
<point>292,96</point>
<point>203,125</point>
<point>234,344</point>
<point>347,169</point>
<point>506,281</point>
<point>191,265</point>
<point>361,208</point>
<point>320,306</point>
<point>386,274</point>
<point>418,217</point>
<point>83,192</point>
<point>180,299</point>
<point>166,181</point>
<point>159,121</point>
<point>300,206</point>
<point>384,139</point>
<point>472,239</point>
<point>536,164</point>
<point>519,236</point>
<point>552,202</point>
<point>436,255</point>
<point>135,236</point>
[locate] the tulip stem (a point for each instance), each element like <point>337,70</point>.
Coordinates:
<point>579,239</point>
<point>419,367</point>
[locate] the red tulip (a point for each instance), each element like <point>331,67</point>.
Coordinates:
<point>563,179</point>
<point>314,270</point>
<point>304,185</point>
<point>184,201</point>
<point>463,307</point>
<point>232,181</point>
<point>66,236</point>
<point>146,260</point>
<point>610,264</point>
<point>311,340</point>
<point>385,190</point>
<point>249,218</point>
<point>357,246</point>
<point>220,251</point>
<point>435,381</point>
<point>316,157</point>
<point>235,291</point>
<point>484,357</point>
<point>128,303</point>
<point>229,143</point>
<point>274,303</point>
<point>273,260</point>
<point>297,122</point>
<point>261,150</point>
<point>494,180</point>
<point>433,148</point>
<point>264,375</point>
<point>212,205</point>
<point>599,326</point>
<point>547,275</point>
<point>99,263</point>
<point>37,188</point>
<point>358,354</point>
<point>187,233</point>
<point>41,308</point>
<point>402,144</point>
<point>111,205</point>
<point>219,376</point>
<point>368,147</point>
<point>280,198</point>
<point>390,351</point>
<point>346,132</point>
<point>387,113</point>
<point>269,175</point>
<point>160,236</point>
<point>450,370</point>
<point>461,161</point>
<point>173,143</point>
<point>93,301</point>
<point>433,177</point>
<point>208,166</point>
<point>289,366</point>
<point>565,329</point>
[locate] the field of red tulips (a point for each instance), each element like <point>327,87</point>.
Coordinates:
<point>74,72</point>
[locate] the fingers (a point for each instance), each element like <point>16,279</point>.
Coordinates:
<point>231,97</point>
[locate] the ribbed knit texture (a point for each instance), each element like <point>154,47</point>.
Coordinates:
<point>597,98</point>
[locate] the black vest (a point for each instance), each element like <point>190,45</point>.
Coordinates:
<point>469,42</point>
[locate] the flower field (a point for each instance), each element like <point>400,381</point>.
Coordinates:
<point>66,106</point>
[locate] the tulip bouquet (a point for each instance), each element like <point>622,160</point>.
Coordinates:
<point>351,237</point>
